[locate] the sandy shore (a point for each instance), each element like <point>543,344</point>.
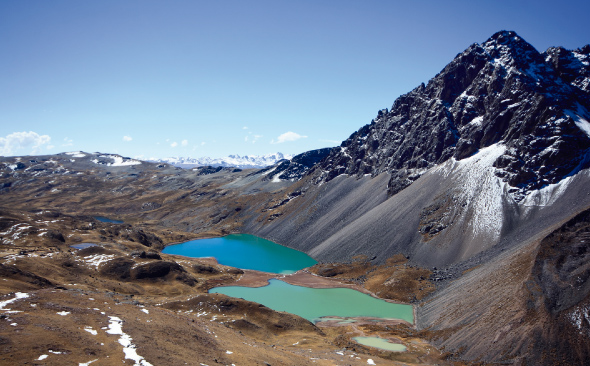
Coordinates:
<point>252,278</point>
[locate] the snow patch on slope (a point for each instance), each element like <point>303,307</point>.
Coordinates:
<point>579,318</point>
<point>116,327</point>
<point>480,189</point>
<point>580,121</point>
<point>117,161</point>
<point>17,296</point>
<point>547,195</point>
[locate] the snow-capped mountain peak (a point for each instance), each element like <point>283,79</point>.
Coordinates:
<point>237,161</point>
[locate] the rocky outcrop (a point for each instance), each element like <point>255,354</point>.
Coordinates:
<point>572,66</point>
<point>295,168</point>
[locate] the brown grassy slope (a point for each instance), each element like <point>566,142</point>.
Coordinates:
<point>394,280</point>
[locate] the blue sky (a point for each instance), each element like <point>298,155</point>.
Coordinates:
<point>147,78</point>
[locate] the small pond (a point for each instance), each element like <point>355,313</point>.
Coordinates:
<point>106,219</point>
<point>380,343</point>
<point>83,245</point>
<point>314,303</point>
<point>246,252</point>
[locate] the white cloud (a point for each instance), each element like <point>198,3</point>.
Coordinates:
<point>184,142</point>
<point>127,138</point>
<point>244,128</point>
<point>288,136</point>
<point>174,144</point>
<point>68,142</point>
<point>22,140</point>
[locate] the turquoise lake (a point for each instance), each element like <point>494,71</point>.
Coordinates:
<point>314,303</point>
<point>246,252</point>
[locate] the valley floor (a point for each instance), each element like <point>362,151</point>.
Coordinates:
<point>123,301</point>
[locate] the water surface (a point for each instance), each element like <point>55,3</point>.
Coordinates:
<point>246,252</point>
<point>380,343</point>
<point>314,303</point>
<point>83,245</point>
<point>106,219</point>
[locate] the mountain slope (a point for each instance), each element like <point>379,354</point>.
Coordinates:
<point>502,90</point>
<point>472,175</point>
<point>494,135</point>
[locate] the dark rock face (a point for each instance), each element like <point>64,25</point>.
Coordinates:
<point>156,269</point>
<point>502,91</point>
<point>138,235</point>
<point>206,170</point>
<point>297,167</point>
<point>118,268</point>
<point>55,236</point>
<point>562,274</point>
<point>572,66</point>
<point>203,268</point>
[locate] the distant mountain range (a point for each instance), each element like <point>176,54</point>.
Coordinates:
<point>237,161</point>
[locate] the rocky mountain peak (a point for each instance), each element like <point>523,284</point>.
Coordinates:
<point>572,66</point>
<point>508,48</point>
<point>502,91</point>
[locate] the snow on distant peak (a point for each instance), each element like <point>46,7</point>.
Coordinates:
<point>76,154</point>
<point>237,161</point>
<point>117,160</point>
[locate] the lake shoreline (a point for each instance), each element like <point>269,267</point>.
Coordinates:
<point>304,278</point>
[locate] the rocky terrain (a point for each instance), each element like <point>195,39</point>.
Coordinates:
<point>467,198</point>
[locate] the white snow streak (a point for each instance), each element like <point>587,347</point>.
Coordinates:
<point>17,296</point>
<point>580,319</point>
<point>476,121</point>
<point>120,162</point>
<point>547,195</point>
<point>87,363</point>
<point>90,330</point>
<point>116,327</point>
<point>98,259</point>
<point>581,122</point>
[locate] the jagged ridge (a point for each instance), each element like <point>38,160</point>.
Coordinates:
<point>501,91</point>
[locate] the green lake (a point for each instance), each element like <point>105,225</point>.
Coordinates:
<point>246,252</point>
<point>380,343</point>
<point>314,303</point>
